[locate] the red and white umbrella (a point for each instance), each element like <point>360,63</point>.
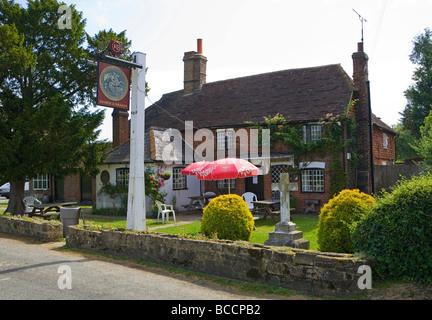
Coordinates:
<point>194,168</point>
<point>229,168</point>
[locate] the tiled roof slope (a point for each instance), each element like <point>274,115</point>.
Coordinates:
<point>300,95</point>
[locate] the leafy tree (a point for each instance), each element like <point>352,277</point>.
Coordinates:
<point>419,95</point>
<point>404,143</point>
<point>46,94</point>
<point>424,145</point>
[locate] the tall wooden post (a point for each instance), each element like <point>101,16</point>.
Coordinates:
<point>136,216</point>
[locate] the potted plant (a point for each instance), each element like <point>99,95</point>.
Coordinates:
<point>165,175</point>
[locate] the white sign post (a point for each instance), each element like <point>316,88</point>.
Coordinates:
<point>136,216</point>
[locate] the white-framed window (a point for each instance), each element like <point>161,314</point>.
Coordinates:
<point>225,139</point>
<point>122,177</point>
<point>179,180</point>
<point>312,180</point>
<point>312,133</point>
<point>41,182</point>
<point>385,141</point>
<point>223,184</point>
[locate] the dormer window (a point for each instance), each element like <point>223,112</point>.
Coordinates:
<point>312,133</point>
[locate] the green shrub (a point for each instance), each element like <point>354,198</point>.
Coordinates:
<point>229,217</point>
<point>338,217</point>
<point>398,232</point>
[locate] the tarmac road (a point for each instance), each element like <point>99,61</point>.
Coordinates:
<point>30,271</point>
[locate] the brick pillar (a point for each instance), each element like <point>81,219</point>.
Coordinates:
<point>195,70</point>
<point>121,129</point>
<point>363,114</point>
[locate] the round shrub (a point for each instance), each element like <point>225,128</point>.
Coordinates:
<point>398,231</point>
<point>338,217</point>
<point>229,217</point>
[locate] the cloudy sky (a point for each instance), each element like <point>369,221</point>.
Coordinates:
<point>245,37</point>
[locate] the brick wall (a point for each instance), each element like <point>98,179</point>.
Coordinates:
<point>72,188</point>
<point>383,155</point>
<point>121,127</point>
<point>195,70</point>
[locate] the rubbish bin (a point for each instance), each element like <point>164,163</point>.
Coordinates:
<point>69,217</point>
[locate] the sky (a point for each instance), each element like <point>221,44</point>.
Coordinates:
<point>247,37</point>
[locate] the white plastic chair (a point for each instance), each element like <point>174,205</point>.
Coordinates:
<point>249,197</point>
<point>165,210</point>
<point>28,201</point>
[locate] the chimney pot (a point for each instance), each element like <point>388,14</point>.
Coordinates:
<point>360,47</point>
<point>200,46</point>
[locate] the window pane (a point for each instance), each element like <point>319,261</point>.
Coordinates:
<point>179,180</point>
<point>313,181</point>
<point>41,182</point>
<point>221,140</point>
<point>122,177</point>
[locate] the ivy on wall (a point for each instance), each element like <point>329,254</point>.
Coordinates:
<point>332,143</point>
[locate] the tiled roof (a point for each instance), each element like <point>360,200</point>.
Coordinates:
<point>379,123</point>
<point>155,144</point>
<point>300,95</point>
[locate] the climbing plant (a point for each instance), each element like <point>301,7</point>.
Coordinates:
<point>331,143</point>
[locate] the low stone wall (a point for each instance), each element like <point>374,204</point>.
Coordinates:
<point>306,271</point>
<point>44,231</point>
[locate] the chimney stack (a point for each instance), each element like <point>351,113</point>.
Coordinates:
<point>121,127</point>
<point>363,114</point>
<point>195,69</point>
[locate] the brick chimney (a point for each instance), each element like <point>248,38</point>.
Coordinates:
<point>363,114</point>
<point>195,69</point>
<point>121,127</point>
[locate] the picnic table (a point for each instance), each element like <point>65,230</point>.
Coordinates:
<point>266,207</point>
<point>44,209</point>
<point>198,203</point>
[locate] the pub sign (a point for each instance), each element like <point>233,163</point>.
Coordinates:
<point>113,86</point>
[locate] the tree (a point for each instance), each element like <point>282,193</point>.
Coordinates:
<point>404,143</point>
<point>46,94</point>
<point>419,95</point>
<point>424,144</point>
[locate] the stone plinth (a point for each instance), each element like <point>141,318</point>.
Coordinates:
<point>287,235</point>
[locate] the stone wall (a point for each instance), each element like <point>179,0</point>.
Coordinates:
<point>306,271</point>
<point>44,231</point>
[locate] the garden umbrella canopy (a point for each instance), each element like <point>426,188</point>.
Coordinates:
<point>194,168</point>
<point>229,168</point>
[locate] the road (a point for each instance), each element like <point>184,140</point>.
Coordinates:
<point>30,271</point>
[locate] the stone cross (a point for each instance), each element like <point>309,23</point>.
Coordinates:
<point>285,205</point>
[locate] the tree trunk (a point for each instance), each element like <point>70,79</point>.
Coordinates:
<point>16,205</point>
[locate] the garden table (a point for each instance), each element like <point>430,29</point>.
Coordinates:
<point>198,202</point>
<point>42,210</point>
<point>266,206</point>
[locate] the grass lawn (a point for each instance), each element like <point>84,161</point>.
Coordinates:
<point>306,224</point>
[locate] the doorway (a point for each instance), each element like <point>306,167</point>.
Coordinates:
<point>255,185</point>
<point>86,189</point>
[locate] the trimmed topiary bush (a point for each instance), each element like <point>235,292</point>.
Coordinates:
<point>229,217</point>
<point>398,232</point>
<point>338,217</point>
